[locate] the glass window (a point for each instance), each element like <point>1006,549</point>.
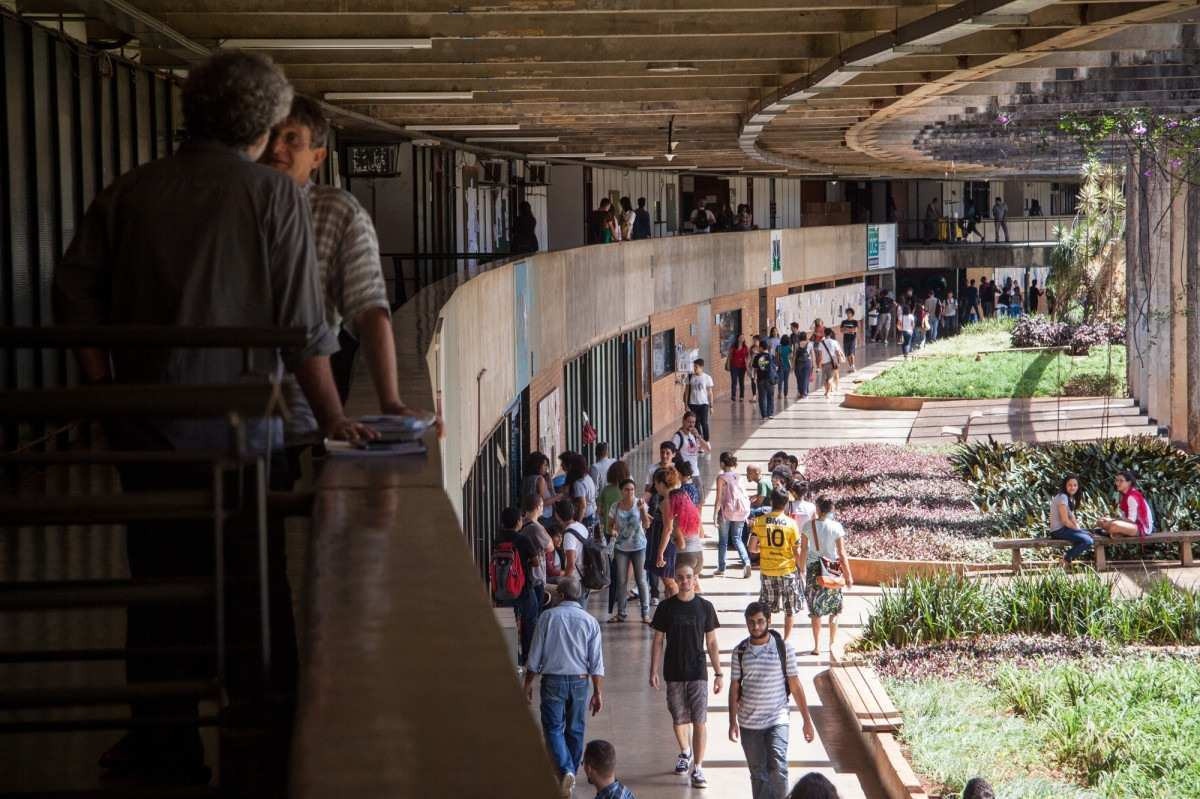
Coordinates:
<point>664,353</point>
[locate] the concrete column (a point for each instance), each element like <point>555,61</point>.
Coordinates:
<point>1192,293</point>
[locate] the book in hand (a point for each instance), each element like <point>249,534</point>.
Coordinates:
<point>398,435</point>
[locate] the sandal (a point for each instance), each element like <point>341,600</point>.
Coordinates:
<point>616,619</point>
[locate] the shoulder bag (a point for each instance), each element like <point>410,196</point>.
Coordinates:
<point>831,570</point>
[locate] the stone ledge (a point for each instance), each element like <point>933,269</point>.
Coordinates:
<point>882,571</point>
<point>866,402</point>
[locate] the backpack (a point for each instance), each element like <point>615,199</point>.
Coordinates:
<point>773,370</point>
<point>735,505</point>
<point>594,569</point>
<point>740,652</point>
<point>506,573</point>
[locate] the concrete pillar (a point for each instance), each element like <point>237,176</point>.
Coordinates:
<point>1192,294</point>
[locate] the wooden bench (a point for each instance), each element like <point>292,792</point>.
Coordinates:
<point>862,692</point>
<point>1184,538</point>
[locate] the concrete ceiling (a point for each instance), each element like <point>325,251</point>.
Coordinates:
<point>820,87</point>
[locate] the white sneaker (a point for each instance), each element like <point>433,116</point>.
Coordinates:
<point>698,780</point>
<point>746,572</point>
<point>683,763</point>
<point>567,787</point>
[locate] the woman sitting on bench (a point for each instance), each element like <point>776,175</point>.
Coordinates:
<point>1137,518</point>
<point>1063,524</point>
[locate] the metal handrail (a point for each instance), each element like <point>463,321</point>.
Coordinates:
<point>151,337</point>
<point>251,399</point>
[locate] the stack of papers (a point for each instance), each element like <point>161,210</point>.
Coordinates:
<point>398,435</point>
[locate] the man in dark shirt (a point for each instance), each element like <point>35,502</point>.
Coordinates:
<point>641,221</point>
<point>688,624</point>
<point>596,221</point>
<point>761,363</point>
<point>849,328</point>
<point>970,309</point>
<point>206,238</point>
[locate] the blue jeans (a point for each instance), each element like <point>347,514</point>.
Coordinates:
<point>766,757</point>
<point>906,342</point>
<point>564,713</point>
<point>784,375</point>
<point>1082,541</point>
<point>803,375</point>
<point>934,323</point>
<point>730,532</point>
<point>527,609</point>
<point>621,562</point>
<point>766,399</point>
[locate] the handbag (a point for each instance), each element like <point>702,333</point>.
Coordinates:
<point>831,570</point>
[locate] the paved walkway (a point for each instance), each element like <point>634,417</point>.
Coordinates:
<point>635,717</point>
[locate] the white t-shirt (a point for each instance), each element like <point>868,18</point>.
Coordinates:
<point>599,471</point>
<point>586,489</point>
<point>908,323</point>
<point>802,511</point>
<point>827,349</point>
<point>829,530</point>
<point>931,305</point>
<point>573,544</point>
<point>1056,516</point>
<point>689,448</point>
<point>701,386</point>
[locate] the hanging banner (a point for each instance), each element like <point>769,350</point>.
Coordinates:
<point>776,257</point>
<point>881,246</point>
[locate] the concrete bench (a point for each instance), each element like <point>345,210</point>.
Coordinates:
<point>866,698</point>
<point>1184,538</point>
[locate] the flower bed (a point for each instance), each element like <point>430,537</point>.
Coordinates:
<point>901,503</point>
<point>1042,331</point>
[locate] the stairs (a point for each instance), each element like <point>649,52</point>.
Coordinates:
<point>1033,420</point>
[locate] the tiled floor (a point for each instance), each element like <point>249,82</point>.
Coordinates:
<point>635,717</point>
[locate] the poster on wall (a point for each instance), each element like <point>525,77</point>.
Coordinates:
<point>828,305</point>
<point>776,257</point>
<point>550,426</point>
<point>881,246</point>
<point>522,310</point>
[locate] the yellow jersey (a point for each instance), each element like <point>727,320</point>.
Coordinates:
<point>778,537</point>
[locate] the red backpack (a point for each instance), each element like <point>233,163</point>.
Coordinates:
<point>506,573</point>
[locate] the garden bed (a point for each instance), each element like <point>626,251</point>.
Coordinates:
<point>1048,686</point>
<point>902,504</point>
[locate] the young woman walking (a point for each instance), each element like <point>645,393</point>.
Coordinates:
<point>629,518</point>
<point>739,359</point>
<point>823,549</point>
<point>731,511</point>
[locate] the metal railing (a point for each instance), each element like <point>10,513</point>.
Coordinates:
<point>411,272</point>
<point>948,230</point>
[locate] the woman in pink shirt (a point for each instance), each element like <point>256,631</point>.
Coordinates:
<point>1137,519</point>
<point>739,358</point>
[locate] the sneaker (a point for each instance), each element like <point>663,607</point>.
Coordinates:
<point>567,786</point>
<point>746,572</point>
<point>683,763</point>
<point>719,573</point>
<point>698,780</point>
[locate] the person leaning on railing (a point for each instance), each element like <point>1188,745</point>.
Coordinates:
<point>205,238</point>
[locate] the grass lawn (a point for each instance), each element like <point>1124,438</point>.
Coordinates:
<point>998,376</point>
<point>993,334</point>
<point>1117,728</point>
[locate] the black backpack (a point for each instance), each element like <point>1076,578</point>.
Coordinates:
<point>594,568</point>
<point>740,652</point>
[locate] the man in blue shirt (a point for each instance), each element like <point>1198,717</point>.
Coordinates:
<point>600,765</point>
<point>566,652</point>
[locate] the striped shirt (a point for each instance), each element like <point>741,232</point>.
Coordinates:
<point>351,276</point>
<point>764,696</point>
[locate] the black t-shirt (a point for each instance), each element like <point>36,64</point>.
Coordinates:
<point>685,624</point>
<point>885,305</point>
<point>596,221</point>
<point>525,550</point>
<point>988,292</point>
<point>762,365</point>
<point>849,329</point>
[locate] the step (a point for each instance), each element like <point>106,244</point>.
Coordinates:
<point>87,594</point>
<point>76,509</point>
<point>88,696</point>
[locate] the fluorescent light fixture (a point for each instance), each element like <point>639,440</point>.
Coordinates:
<point>381,96</point>
<point>512,140</point>
<point>327,44</point>
<point>671,168</point>
<point>461,128</point>
<point>765,172</point>
<point>568,155</point>
<point>622,158</point>
<point>672,66</point>
<point>669,156</point>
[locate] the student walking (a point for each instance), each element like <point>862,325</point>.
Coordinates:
<point>827,570</point>
<point>527,605</point>
<point>629,518</point>
<point>779,559</point>
<point>763,674</point>
<point>566,652</point>
<point>689,442</point>
<point>849,328</point>
<point>698,396</point>
<point>687,624</point>
<point>829,355</point>
<point>906,324</point>
<point>783,354</point>
<point>600,766</point>
<point>803,363</point>
<point>732,508</point>
<point>739,360</point>
<point>764,375</point>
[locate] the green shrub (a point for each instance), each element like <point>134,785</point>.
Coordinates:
<point>1093,385</point>
<point>1014,482</point>
<point>946,607</point>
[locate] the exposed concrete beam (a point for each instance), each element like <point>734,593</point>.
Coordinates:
<point>256,23</point>
<point>561,7</point>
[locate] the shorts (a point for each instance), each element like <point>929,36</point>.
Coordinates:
<point>688,702</point>
<point>693,559</point>
<point>827,372</point>
<point>781,593</point>
<point>849,343</point>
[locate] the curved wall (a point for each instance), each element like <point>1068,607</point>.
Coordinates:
<point>579,297</point>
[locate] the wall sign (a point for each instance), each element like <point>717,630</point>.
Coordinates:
<point>881,246</point>
<point>776,257</point>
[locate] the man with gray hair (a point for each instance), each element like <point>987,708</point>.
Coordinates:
<point>566,652</point>
<point>206,238</point>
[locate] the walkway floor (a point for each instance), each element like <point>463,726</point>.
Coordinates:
<point>635,717</point>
